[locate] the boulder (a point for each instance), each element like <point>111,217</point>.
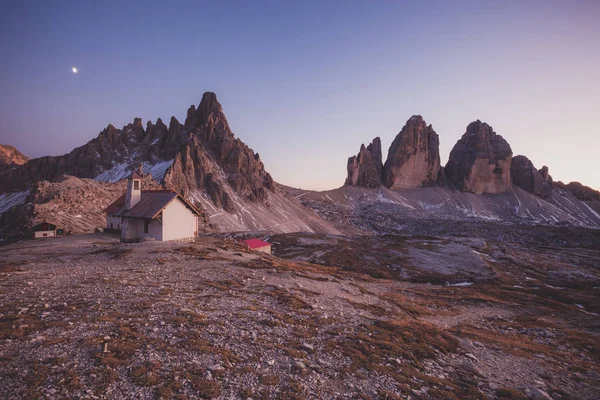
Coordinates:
<point>480,161</point>
<point>414,157</point>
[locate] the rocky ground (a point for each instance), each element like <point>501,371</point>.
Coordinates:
<point>325,317</point>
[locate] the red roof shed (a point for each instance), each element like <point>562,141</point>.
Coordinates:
<point>259,245</point>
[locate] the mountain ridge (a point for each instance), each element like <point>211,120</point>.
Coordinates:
<point>480,162</point>
<point>201,159</point>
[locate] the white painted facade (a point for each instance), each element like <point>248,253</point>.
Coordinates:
<point>113,222</point>
<point>44,234</point>
<point>179,222</point>
<point>176,219</point>
<point>176,222</point>
<point>134,229</point>
<point>264,249</point>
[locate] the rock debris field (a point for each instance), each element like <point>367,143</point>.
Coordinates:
<point>211,319</point>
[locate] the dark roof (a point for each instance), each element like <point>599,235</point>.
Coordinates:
<point>135,175</point>
<point>44,226</point>
<point>153,202</point>
<point>116,205</point>
<point>256,243</point>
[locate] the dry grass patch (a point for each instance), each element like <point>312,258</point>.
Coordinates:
<point>224,285</point>
<point>381,341</point>
<point>204,388</point>
<point>114,252</point>
<point>519,345</point>
<point>19,326</point>
<point>504,393</point>
<point>382,345</point>
<point>146,374</point>
<point>6,269</point>
<point>373,309</point>
<point>269,380</point>
<point>204,346</point>
<point>287,299</point>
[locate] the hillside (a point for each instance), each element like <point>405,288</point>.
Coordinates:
<point>386,211</point>
<point>417,317</point>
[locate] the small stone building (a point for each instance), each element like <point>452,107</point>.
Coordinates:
<point>44,230</point>
<point>161,215</point>
<point>258,245</point>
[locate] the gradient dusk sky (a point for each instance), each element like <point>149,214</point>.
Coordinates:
<point>304,83</point>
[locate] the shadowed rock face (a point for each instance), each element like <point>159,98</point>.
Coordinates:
<point>212,151</point>
<point>365,168</point>
<point>414,157</point>
<point>527,177</point>
<point>480,161</point>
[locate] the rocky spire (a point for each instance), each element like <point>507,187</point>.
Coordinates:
<point>546,175</point>
<point>527,177</point>
<point>414,156</point>
<point>365,168</point>
<point>480,161</point>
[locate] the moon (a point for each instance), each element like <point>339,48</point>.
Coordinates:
<point>74,69</point>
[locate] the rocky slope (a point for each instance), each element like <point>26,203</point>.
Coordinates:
<point>443,210</point>
<point>365,169</point>
<point>414,156</point>
<point>11,156</point>
<point>202,159</point>
<point>480,161</point>
<point>380,317</point>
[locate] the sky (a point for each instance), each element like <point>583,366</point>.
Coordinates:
<point>305,83</point>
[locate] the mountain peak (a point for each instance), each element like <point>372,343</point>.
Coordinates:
<point>480,161</point>
<point>414,157</point>
<point>209,106</point>
<point>9,155</point>
<point>364,169</point>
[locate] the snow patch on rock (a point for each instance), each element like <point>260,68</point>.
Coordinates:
<point>10,200</point>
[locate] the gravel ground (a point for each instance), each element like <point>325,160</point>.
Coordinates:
<point>212,320</point>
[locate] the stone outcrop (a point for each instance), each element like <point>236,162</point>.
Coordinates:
<point>11,156</point>
<point>546,175</point>
<point>527,177</point>
<point>480,161</point>
<point>206,157</point>
<point>413,158</point>
<point>365,169</point>
<point>583,193</point>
